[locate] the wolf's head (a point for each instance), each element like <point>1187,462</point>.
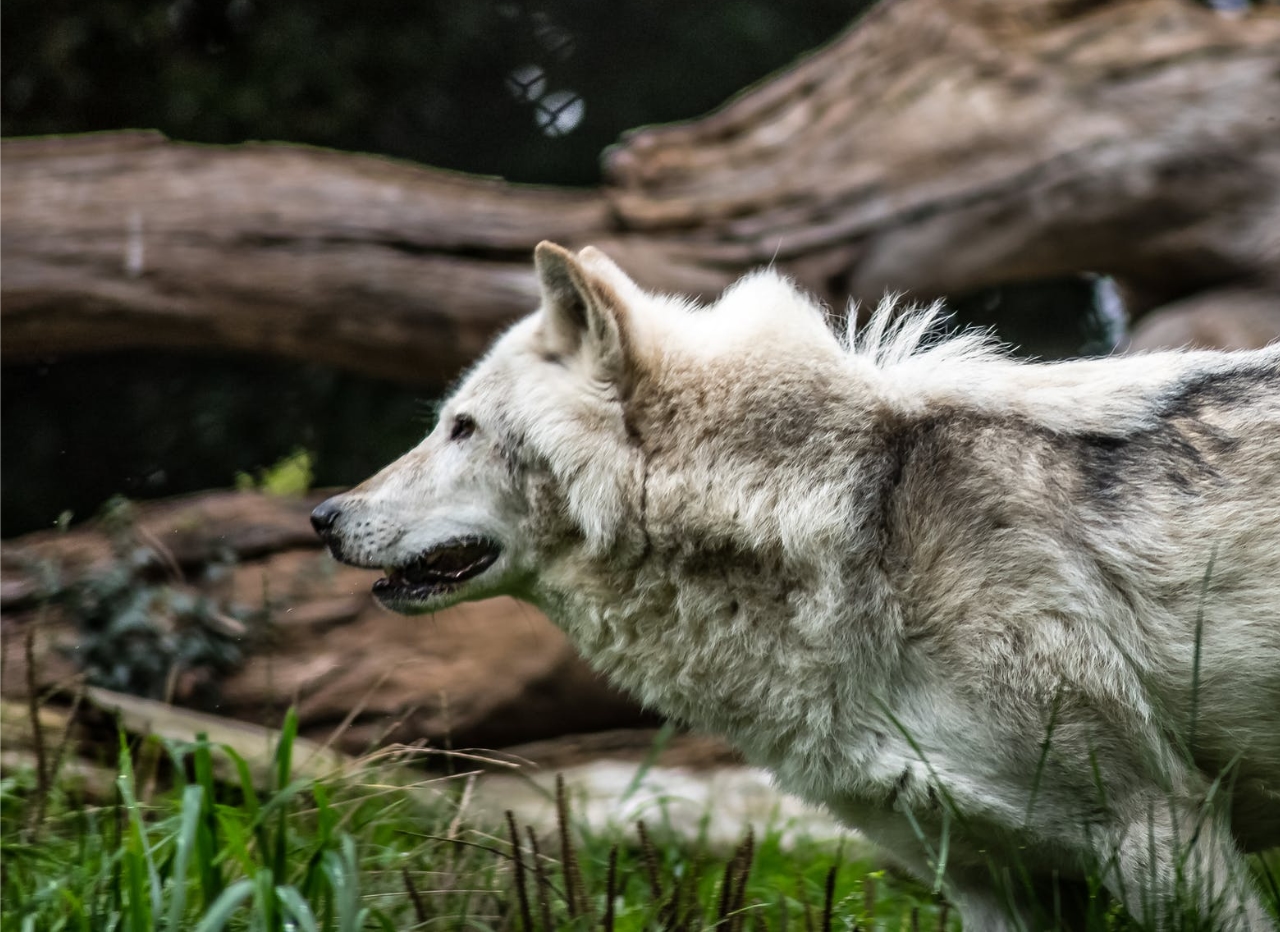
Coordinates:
<point>609,423</point>
<point>530,456</point>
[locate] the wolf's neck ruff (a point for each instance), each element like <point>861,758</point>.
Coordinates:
<point>744,604</point>
<point>733,643</point>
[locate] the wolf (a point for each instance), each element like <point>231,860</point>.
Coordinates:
<point>1017,622</point>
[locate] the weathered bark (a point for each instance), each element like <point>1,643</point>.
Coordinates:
<point>1225,318</point>
<point>487,674</point>
<point>398,271</point>
<point>937,147</point>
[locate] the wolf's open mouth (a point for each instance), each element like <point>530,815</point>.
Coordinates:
<point>439,569</point>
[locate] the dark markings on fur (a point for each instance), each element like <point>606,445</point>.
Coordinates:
<point>636,439</point>
<point>1112,468</point>
<point>511,448</point>
<point>899,787</point>
<point>769,429</point>
<point>647,548</point>
<point>761,574</point>
<point>900,439</point>
<point>931,792</point>
<point>1235,388</point>
<point>1181,447</point>
<point>932,464</point>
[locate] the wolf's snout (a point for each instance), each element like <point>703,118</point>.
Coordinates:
<point>325,516</point>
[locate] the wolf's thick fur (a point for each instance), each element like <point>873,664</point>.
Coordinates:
<point>1020,618</point>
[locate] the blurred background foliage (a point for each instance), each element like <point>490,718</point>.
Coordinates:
<point>458,85</point>
<point>532,91</point>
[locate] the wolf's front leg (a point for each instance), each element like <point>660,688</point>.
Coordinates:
<point>979,910</point>
<point>987,902</point>
<point>983,904</point>
<point>1171,860</point>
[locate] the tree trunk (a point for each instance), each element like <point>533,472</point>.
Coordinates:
<point>939,146</point>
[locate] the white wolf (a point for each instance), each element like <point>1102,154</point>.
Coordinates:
<point>1017,622</point>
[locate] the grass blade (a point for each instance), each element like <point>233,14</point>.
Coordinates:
<point>341,869</point>
<point>297,908</point>
<point>138,830</point>
<point>207,840</point>
<point>231,899</point>
<point>192,797</point>
<point>284,748</point>
<point>135,882</point>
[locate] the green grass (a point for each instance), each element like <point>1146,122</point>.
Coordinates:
<point>331,854</point>
<point>355,852</point>
<point>376,849</point>
<point>656,882</point>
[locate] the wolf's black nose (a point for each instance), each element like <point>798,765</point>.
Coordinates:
<point>325,516</point>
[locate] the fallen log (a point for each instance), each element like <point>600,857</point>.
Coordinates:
<point>255,744</point>
<point>936,147</point>
<point>1221,318</point>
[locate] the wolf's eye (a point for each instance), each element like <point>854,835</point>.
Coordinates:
<point>463,427</point>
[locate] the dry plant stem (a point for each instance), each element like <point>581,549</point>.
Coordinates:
<point>419,908</point>
<point>517,859</point>
<point>669,912</point>
<point>353,714</point>
<point>610,889</point>
<point>540,876</point>
<point>726,890</point>
<point>464,801</point>
<point>171,565</point>
<point>59,755</point>
<point>687,905</point>
<point>745,857</point>
<point>392,726</point>
<point>37,734</point>
<point>575,895</point>
<point>829,900</point>
<point>650,856</point>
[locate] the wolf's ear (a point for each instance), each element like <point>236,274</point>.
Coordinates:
<point>583,313</point>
